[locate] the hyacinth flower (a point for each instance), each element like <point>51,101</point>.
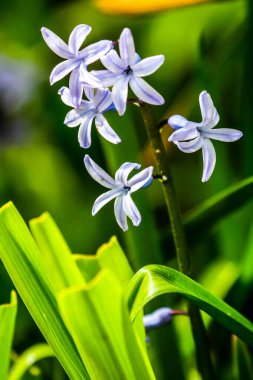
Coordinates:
<point>190,136</point>
<point>121,189</point>
<point>160,317</point>
<point>76,61</point>
<point>99,102</point>
<point>126,69</point>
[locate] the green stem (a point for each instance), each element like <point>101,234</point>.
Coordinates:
<point>183,255</point>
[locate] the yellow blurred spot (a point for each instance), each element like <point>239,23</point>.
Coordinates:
<point>142,6</point>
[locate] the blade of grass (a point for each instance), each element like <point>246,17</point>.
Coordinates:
<point>7,323</point>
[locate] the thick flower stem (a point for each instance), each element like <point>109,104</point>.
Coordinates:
<point>183,256</point>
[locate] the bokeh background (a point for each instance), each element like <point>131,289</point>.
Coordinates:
<point>208,46</point>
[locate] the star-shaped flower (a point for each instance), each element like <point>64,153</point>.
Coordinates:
<point>76,61</point>
<point>190,136</point>
<point>121,188</point>
<point>129,69</point>
<point>98,103</point>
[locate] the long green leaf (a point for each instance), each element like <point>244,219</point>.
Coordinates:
<point>154,280</point>
<point>7,322</point>
<point>111,256</point>
<point>217,207</point>
<point>242,361</point>
<point>97,318</point>
<point>26,267</point>
<point>56,253</point>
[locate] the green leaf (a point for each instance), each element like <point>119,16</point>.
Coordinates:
<point>102,330</point>
<point>7,323</point>
<point>28,358</point>
<point>242,361</point>
<point>217,207</point>
<point>26,266</point>
<point>154,280</point>
<point>56,253</point>
<point>110,256</point>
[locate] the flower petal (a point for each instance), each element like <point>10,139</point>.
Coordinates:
<point>208,111</point>
<point>103,199</point>
<point>126,47</point>
<point>131,210</point>
<point>56,44</point>
<point>65,96</point>
<point>106,77</point>
<point>64,68</point>
<point>112,62</point>
<point>209,159</point>
<point>103,99</point>
<point>105,130</point>
<point>88,79</point>
<point>84,132</point>
<point>148,65</point>
<point>223,134</point>
<point>95,51</point>
<point>77,37</point>
<point>90,93</point>
<point>123,172</point>
<point>119,94</point>
<point>75,87</point>
<point>190,146</point>
<point>144,91</point>
<point>140,179</point>
<point>177,121</point>
<point>98,174</point>
<point>187,133</point>
<point>73,119</point>
<point>120,213</point>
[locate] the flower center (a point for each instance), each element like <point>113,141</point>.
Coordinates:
<point>128,188</point>
<point>128,70</point>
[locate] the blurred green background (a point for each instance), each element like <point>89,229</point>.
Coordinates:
<point>207,47</point>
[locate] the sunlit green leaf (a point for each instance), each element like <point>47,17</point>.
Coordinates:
<point>28,358</point>
<point>56,253</point>
<point>111,256</point>
<point>99,323</point>
<point>154,280</point>
<point>25,265</point>
<point>7,323</point>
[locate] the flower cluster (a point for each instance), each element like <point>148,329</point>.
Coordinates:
<point>120,70</point>
<point>106,90</point>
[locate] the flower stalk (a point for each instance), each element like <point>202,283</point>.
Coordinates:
<point>182,252</point>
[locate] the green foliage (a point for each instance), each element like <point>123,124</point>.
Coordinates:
<point>242,361</point>
<point>218,207</point>
<point>91,336</point>
<point>28,358</point>
<point>154,280</point>
<point>7,323</point>
<point>26,267</point>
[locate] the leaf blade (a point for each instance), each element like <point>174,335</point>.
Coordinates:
<point>7,323</point>
<point>154,280</point>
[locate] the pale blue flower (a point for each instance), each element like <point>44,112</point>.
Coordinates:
<point>121,188</point>
<point>190,136</point>
<point>89,110</point>
<point>76,61</point>
<point>129,69</point>
<point>160,317</point>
